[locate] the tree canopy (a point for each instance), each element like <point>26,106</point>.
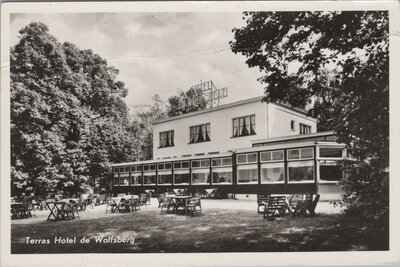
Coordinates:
<point>185,102</point>
<point>68,115</point>
<point>339,63</point>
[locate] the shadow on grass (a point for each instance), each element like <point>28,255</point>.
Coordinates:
<point>214,231</point>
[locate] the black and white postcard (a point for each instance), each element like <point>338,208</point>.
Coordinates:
<point>199,133</point>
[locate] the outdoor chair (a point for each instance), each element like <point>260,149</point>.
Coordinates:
<point>275,204</point>
<point>160,198</point>
<point>134,204</point>
<point>143,199</point>
<point>192,204</point>
<point>293,200</point>
<point>308,205</point>
<point>123,205</point>
<point>111,206</point>
<point>261,199</point>
<point>167,204</point>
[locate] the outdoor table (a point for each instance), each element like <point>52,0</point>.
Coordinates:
<point>179,201</point>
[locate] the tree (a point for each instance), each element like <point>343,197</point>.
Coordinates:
<point>185,102</point>
<point>143,118</point>
<point>68,115</point>
<point>294,50</point>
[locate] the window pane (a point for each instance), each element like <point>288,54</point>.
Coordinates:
<point>301,171</point>
<point>227,161</point>
<point>152,167</point>
<point>146,167</point>
<point>330,152</point>
<point>252,157</point>
<point>161,166</point>
<point>222,175</point>
<point>138,168</point>
<point>124,181</point>
<point>177,165</point>
<point>121,169</point>
<point>116,179</point>
<point>182,178</point>
<point>293,154</point>
<point>115,169</point>
<point>208,132</point>
<point>185,164</point>
<point>216,162</point>
<point>247,173</point>
<point>149,178</point>
<point>136,179</point>
<point>241,158</point>
<point>307,153</point>
<point>277,155</point>
<point>205,163</point>
<point>265,156</point>
<point>272,172</point>
<point>200,176</point>
<point>133,168</point>
<point>165,178</point>
<point>167,166</point>
<point>330,171</point>
<point>195,163</point>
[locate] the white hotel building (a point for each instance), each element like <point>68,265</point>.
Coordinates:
<point>243,147</point>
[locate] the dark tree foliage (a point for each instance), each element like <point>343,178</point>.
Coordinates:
<point>339,63</point>
<point>68,115</point>
<point>185,102</point>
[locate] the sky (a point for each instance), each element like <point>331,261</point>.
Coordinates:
<point>157,52</point>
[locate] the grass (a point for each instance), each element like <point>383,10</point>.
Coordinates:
<point>216,230</point>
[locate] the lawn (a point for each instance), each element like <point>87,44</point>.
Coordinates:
<point>217,230</point>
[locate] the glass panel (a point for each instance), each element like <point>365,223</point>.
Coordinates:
<point>195,163</point>
<point>136,179</point>
<point>152,167</point>
<point>242,158</point>
<point>200,176</point>
<point>138,168</point>
<point>168,166</point>
<point>247,173</point>
<point>116,169</point>
<point>253,124</point>
<point>265,156</point>
<point>177,165</point>
<point>252,157</point>
<point>116,180</point>
<point>216,162</point>
<point>272,172</point>
<point>161,166</point>
<point>235,127</point>
<point>301,171</point>
<point>165,178</point>
<point>205,163</point>
<point>330,171</point>
<point>330,152</point>
<point>222,175</point>
<point>277,155</point>
<point>133,168</point>
<point>227,161</point>
<point>124,181</point>
<point>185,164</point>
<point>146,167</point>
<point>121,169</point>
<point>149,178</point>
<point>307,153</point>
<point>293,154</point>
<point>208,132</point>
<point>182,177</point>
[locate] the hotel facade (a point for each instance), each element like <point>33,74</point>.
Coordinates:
<point>245,147</point>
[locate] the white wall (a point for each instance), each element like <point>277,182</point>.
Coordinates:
<point>279,121</point>
<point>220,131</point>
<point>221,128</point>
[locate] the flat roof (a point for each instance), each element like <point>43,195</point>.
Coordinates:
<point>233,104</point>
<point>292,137</point>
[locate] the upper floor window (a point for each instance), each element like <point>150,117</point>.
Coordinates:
<point>243,126</point>
<point>304,129</point>
<point>292,125</point>
<point>200,133</point>
<point>167,138</point>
